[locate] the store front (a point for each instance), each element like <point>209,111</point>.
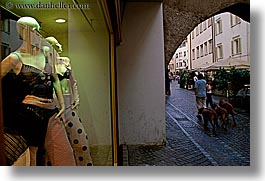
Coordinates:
<point>87,40</point>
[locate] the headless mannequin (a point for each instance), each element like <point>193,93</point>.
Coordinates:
<point>62,66</point>
<point>35,61</point>
<point>72,120</point>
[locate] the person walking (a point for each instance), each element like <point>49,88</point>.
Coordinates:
<point>167,83</point>
<point>209,99</point>
<point>200,93</point>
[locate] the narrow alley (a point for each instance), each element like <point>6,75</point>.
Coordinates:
<point>186,142</point>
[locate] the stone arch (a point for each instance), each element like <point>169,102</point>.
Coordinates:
<point>181,17</point>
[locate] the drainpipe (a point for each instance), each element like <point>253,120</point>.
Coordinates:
<point>213,38</point>
<point>190,59</point>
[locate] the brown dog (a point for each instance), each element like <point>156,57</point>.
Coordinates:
<point>211,116</point>
<point>222,115</point>
<point>230,109</point>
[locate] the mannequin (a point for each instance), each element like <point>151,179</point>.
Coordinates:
<point>74,128</point>
<point>33,78</point>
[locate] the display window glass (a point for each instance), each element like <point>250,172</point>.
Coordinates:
<point>81,45</point>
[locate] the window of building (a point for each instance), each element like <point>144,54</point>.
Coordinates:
<point>192,34</point>
<point>210,42</point>
<point>235,20</point>
<point>201,50</point>
<point>218,27</point>
<point>177,65</point>
<point>5,26</point>
<point>193,54</point>
<point>183,44</point>
<point>197,30</point>
<point>201,28</point>
<point>236,46</point>
<point>180,64</point>
<point>184,53</point>
<point>171,66</point>
<point>209,22</point>
<point>205,48</point>
<point>204,26</point>
<point>184,63</point>
<point>180,54</point>
<point>219,51</point>
<point>177,55</point>
<point>198,53</point>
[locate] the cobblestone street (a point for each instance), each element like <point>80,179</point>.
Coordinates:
<point>186,142</point>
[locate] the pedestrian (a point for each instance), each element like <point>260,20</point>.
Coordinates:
<point>209,88</point>
<point>195,78</point>
<point>171,77</point>
<point>200,93</point>
<point>167,83</point>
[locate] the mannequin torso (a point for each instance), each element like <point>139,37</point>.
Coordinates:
<point>63,68</point>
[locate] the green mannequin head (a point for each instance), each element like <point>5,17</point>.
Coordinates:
<point>29,21</point>
<point>55,44</point>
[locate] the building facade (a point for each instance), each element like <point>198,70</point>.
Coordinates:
<point>115,74</point>
<point>180,58</point>
<point>220,37</point>
<point>231,37</point>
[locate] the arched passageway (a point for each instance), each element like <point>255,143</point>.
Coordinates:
<point>180,18</point>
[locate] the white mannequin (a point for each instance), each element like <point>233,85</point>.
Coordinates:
<point>34,58</point>
<point>71,96</point>
<point>62,64</point>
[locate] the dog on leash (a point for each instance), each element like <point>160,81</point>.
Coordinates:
<point>229,108</point>
<point>209,115</point>
<point>222,115</point>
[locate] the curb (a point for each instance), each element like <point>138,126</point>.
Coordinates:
<point>125,155</point>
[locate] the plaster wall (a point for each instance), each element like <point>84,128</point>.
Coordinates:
<point>140,74</point>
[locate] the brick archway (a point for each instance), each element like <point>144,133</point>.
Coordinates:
<point>181,17</point>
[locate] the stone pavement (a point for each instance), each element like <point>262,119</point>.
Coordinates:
<point>186,142</point>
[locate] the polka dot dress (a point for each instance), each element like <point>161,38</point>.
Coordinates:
<point>78,138</point>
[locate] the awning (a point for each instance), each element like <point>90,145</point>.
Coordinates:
<point>237,63</point>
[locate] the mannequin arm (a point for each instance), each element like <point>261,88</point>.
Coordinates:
<point>10,62</point>
<point>59,94</point>
<point>74,90</point>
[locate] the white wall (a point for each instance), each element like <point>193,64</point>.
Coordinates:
<point>203,37</point>
<point>89,54</point>
<point>229,32</point>
<point>182,58</point>
<point>140,70</point>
